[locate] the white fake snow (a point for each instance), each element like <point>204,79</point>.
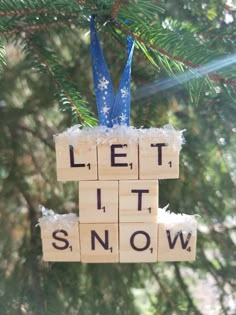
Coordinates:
<point>103,134</point>
<point>50,218</point>
<point>185,222</point>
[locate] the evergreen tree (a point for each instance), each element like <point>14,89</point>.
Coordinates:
<point>183,73</point>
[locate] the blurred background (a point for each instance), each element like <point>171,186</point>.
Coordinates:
<point>46,79</point>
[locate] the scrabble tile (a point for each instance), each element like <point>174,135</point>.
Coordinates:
<point>60,243</point>
<point>138,242</point>
<point>98,201</point>
<point>99,243</point>
<point>76,159</point>
<point>158,158</point>
<point>118,159</point>
<point>176,242</point>
<point>138,200</point>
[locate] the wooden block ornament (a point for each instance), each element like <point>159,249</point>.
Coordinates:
<point>98,201</point>
<point>138,200</point>
<point>138,242</point>
<point>99,243</point>
<point>118,155</point>
<point>76,157</point>
<point>60,237</point>
<point>159,153</point>
<point>118,168</point>
<point>177,236</point>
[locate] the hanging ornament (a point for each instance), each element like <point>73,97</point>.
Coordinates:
<point>118,168</point>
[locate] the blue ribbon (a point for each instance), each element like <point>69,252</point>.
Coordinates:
<point>112,109</point>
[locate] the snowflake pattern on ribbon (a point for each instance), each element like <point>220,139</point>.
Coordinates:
<point>112,109</point>
<point>103,83</point>
<point>124,92</point>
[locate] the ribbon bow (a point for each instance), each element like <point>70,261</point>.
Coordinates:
<point>112,109</point>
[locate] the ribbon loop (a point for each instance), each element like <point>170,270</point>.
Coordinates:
<point>112,109</point>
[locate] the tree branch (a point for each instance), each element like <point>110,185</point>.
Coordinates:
<point>185,289</point>
<point>214,76</point>
<point>33,28</point>
<point>163,289</point>
<point>57,82</point>
<point>38,12</point>
<point>37,135</point>
<point>34,264</point>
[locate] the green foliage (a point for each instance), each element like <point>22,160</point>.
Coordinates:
<point>44,60</point>
<point>2,54</point>
<point>47,63</point>
<point>172,45</point>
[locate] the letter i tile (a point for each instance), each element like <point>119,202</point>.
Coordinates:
<point>98,201</point>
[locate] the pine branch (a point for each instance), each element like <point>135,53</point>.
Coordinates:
<point>169,38</point>
<point>70,99</point>
<point>21,9</point>
<point>177,49</point>
<point>169,45</point>
<point>41,15</point>
<point>174,41</point>
<point>40,6</point>
<point>116,7</point>
<point>39,27</point>
<point>2,54</point>
<point>36,12</point>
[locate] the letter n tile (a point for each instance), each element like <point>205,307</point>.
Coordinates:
<point>99,243</point>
